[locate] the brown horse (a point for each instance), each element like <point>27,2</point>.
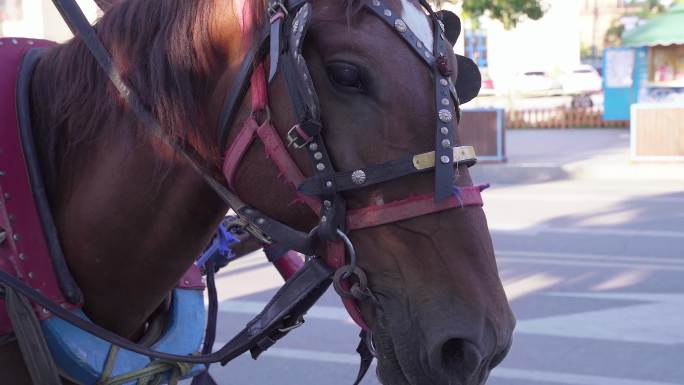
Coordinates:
<point>132,216</point>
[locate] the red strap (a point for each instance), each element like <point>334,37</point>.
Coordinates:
<point>412,207</point>
<point>335,258</point>
<point>277,152</point>
<point>238,148</point>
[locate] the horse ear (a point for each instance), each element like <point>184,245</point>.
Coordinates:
<point>105,4</point>
<point>468,79</point>
<point>452,25</point>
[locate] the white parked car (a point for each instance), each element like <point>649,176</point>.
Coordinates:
<point>536,83</point>
<point>583,79</point>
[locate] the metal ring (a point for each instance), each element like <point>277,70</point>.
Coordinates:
<point>352,252</point>
<point>342,274</point>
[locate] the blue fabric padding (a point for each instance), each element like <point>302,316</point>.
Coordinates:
<point>81,356</point>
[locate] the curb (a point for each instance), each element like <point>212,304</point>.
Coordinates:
<point>530,173</point>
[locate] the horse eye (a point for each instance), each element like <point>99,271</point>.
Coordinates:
<point>345,75</point>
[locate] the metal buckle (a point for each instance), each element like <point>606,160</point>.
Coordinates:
<point>273,9</point>
<point>295,140</point>
<point>297,324</point>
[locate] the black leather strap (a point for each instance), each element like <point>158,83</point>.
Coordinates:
<point>369,176</point>
<point>366,357</point>
<point>286,308</point>
<point>238,90</point>
<point>67,284</point>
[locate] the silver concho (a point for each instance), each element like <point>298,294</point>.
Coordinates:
<point>400,25</point>
<point>358,177</point>
<point>445,116</point>
<point>445,159</point>
<point>387,12</point>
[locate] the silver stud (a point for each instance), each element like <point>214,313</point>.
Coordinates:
<point>445,116</point>
<point>327,203</point>
<point>445,101</point>
<point>443,82</point>
<point>324,219</point>
<point>45,311</point>
<point>318,156</point>
<point>419,44</point>
<point>31,275</point>
<point>358,177</point>
<point>446,143</point>
<point>22,256</point>
<point>260,221</point>
<point>320,166</point>
<point>427,54</point>
<point>444,130</point>
<point>186,282</point>
<point>376,3</point>
<point>16,237</point>
<point>249,211</point>
<point>14,41</point>
<point>328,184</point>
<point>387,13</point>
<point>400,25</point>
<point>313,146</point>
<point>445,159</point>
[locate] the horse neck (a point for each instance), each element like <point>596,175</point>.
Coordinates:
<point>131,215</point>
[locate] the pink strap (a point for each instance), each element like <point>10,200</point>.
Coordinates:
<point>192,279</point>
<point>411,207</point>
<point>259,90</point>
<point>238,148</point>
<point>334,257</point>
<point>277,152</point>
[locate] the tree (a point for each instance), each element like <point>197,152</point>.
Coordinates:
<point>509,12</point>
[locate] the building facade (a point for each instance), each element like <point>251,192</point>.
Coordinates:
<point>38,19</point>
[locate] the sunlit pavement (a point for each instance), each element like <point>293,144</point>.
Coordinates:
<point>593,268</point>
<point>593,271</point>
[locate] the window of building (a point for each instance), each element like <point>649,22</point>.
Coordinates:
<point>476,46</point>
<point>667,65</point>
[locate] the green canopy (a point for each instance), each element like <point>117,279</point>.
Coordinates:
<point>665,29</point>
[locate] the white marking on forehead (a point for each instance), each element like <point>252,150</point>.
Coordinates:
<point>418,22</point>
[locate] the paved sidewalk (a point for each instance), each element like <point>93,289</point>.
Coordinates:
<point>553,154</point>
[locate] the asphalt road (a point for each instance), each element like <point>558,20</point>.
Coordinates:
<point>593,271</point>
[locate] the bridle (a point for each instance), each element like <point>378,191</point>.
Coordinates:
<point>281,39</point>
<point>322,192</point>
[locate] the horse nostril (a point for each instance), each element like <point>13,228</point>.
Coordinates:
<point>459,357</point>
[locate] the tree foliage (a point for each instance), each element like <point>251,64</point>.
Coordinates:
<point>509,12</point>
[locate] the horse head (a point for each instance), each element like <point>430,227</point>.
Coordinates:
<point>442,316</point>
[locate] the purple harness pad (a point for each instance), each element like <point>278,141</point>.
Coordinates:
<point>24,253</point>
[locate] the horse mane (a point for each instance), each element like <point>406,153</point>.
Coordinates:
<point>164,53</point>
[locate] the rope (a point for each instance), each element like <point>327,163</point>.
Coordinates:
<point>149,375</point>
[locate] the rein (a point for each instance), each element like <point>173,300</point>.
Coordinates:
<point>282,38</point>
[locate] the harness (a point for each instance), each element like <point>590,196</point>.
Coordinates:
<point>281,39</point>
